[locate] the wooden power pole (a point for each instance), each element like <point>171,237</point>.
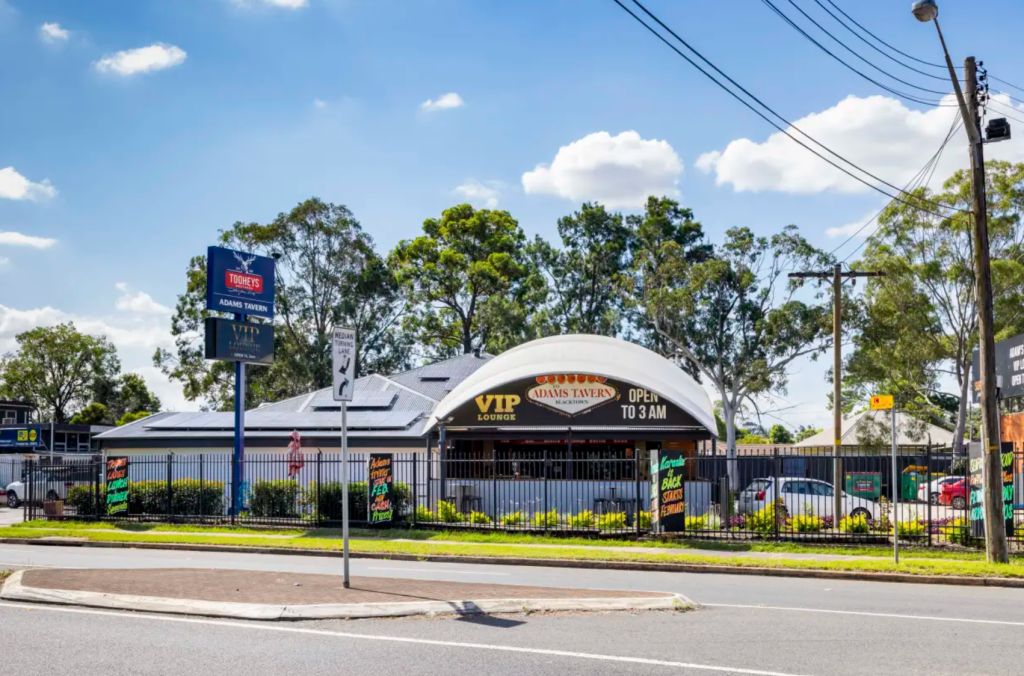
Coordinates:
<point>996,549</point>
<point>837,276</point>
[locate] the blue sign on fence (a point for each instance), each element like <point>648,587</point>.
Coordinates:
<point>20,437</point>
<point>239,282</point>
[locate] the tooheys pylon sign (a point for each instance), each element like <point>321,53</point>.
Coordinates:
<point>239,282</point>
<point>562,399</point>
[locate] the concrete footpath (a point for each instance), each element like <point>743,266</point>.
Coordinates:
<point>259,595</point>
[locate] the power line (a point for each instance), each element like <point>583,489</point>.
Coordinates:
<point>895,49</point>
<point>901,52</point>
<point>916,181</point>
<point>763,116</point>
<point>923,181</point>
<point>876,47</point>
<point>824,30</point>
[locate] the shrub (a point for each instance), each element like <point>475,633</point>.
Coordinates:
<point>188,498</point>
<point>695,523</point>
<point>548,519</point>
<point>612,521</point>
<point>808,523</point>
<point>584,519</point>
<point>274,499</point>
<point>447,513</point>
<point>957,531</point>
<point>423,513</point>
<point>645,519</point>
<point>511,519</point>
<point>912,528</point>
<point>479,518</point>
<point>763,520</point>
<point>854,524</point>
<point>330,500</point>
<point>83,499</point>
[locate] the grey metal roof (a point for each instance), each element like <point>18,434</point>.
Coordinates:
<point>395,407</point>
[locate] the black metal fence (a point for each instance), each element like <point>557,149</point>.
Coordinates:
<point>776,493</point>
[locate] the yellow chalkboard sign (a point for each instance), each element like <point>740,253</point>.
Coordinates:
<point>881,402</point>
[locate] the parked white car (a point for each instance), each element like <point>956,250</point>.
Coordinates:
<point>802,496</point>
<point>50,483</point>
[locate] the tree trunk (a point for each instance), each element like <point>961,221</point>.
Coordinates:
<point>961,412</point>
<point>731,466</point>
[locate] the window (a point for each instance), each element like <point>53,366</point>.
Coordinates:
<point>822,489</point>
<point>797,487</point>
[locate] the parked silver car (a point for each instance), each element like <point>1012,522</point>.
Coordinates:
<point>49,483</point>
<point>802,496</point>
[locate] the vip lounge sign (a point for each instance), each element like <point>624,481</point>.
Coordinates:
<point>239,282</point>
<point>559,399</point>
<point>229,340</point>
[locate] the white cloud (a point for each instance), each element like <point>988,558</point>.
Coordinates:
<point>51,31</point>
<point>14,186</point>
<point>282,4</point>
<point>4,261</point>
<point>141,60</point>
<point>12,238</point>
<point>319,104</point>
<point>619,171</point>
<point>138,302</point>
<point>862,227</point>
<point>480,194</point>
<point>135,334</point>
<point>878,133</point>
<point>443,102</point>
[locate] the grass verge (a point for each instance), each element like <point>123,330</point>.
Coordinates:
<point>328,540</point>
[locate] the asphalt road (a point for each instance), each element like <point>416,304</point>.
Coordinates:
<point>762,625</point>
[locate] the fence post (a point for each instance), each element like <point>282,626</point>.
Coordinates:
<point>96,488</point>
<point>928,489</point>
<point>170,500</point>
<point>636,481</point>
<point>494,485</point>
<point>547,475</point>
<point>319,455</point>
<point>777,490</point>
<point>27,513</point>
<point>202,489</point>
<point>415,487</point>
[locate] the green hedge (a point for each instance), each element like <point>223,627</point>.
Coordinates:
<point>278,498</point>
<point>188,498</point>
<point>330,500</point>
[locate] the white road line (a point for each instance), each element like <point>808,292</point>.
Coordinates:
<point>401,639</point>
<point>435,570</point>
<point>896,616</point>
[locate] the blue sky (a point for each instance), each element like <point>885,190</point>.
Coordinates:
<point>258,105</point>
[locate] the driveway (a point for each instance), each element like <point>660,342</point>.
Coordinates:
<point>11,516</point>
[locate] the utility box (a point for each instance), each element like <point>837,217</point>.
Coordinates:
<point>864,484</point>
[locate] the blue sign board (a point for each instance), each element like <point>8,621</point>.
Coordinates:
<point>20,437</point>
<point>239,282</point>
<point>229,340</point>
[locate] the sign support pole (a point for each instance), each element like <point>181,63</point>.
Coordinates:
<point>344,492</point>
<point>895,494</point>
<point>239,457</point>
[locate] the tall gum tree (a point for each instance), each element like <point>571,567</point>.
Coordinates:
<point>469,282</point>
<point>919,325</point>
<point>735,318</point>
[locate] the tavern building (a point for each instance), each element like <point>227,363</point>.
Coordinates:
<point>579,408</point>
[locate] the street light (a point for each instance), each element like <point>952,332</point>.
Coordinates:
<point>925,10</point>
<point>992,472</point>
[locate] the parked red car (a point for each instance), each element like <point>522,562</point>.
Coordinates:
<point>954,494</point>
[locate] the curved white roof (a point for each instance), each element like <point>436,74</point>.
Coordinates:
<point>582,353</point>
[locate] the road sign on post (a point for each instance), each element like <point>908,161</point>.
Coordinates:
<point>881,402</point>
<point>343,359</point>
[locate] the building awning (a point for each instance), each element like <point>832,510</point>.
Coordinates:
<point>579,381</point>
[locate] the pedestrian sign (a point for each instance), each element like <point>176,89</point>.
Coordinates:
<point>881,402</point>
